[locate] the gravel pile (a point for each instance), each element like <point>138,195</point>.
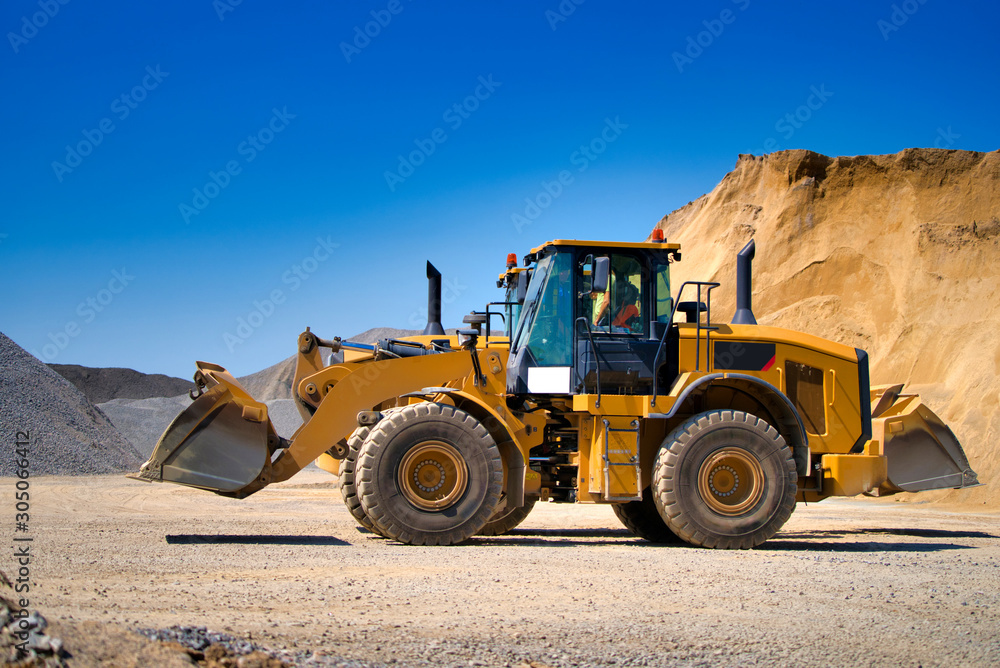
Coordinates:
<point>142,421</point>
<point>200,638</point>
<point>212,648</point>
<point>100,385</point>
<point>68,434</point>
<point>275,382</point>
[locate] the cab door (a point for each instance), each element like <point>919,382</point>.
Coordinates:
<point>613,342</point>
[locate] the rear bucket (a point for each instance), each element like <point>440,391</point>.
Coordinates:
<point>222,442</point>
<point>922,452</point>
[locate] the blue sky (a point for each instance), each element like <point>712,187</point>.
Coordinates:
<point>202,180</point>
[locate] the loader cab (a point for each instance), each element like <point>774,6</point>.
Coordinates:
<point>594,315</point>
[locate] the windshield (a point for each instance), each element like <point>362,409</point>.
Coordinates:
<point>530,300</point>
<point>546,324</point>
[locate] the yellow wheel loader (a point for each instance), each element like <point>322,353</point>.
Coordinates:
<point>606,386</point>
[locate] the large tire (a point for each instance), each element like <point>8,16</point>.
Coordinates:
<point>725,479</point>
<point>348,482</point>
<point>643,520</point>
<point>348,487</point>
<point>506,519</point>
<point>429,474</point>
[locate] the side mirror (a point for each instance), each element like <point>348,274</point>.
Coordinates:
<point>602,269</point>
<point>522,286</point>
<point>467,338</point>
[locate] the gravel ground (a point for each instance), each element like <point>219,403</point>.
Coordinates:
<point>68,435</point>
<point>846,583</point>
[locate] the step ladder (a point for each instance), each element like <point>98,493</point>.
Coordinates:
<point>622,472</point>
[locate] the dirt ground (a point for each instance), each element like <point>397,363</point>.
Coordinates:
<point>846,583</point>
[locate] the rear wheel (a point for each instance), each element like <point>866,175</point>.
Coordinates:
<point>429,474</point>
<point>506,519</point>
<point>725,479</point>
<point>643,519</point>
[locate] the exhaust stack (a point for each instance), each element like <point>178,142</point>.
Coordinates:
<point>433,301</point>
<point>744,286</point>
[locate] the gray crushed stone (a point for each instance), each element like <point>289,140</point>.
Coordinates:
<point>68,434</point>
<point>142,421</point>
<point>104,384</point>
<point>23,637</point>
<point>275,382</point>
<point>200,638</point>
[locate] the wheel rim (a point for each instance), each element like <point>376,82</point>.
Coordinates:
<point>433,476</point>
<point>731,481</point>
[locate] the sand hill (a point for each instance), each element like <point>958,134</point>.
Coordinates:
<point>68,435</point>
<point>896,254</point>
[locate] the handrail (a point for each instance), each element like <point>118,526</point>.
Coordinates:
<point>501,316</point>
<point>597,361</point>
<point>670,323</point>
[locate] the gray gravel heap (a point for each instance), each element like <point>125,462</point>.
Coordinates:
<point>212,643</point>
<point>104,384</point>
<point>275,382</point>
<point>68,434</point>
<point>142,421</point>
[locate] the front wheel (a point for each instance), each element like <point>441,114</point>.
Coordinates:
<point>429,474</point>
<point>725,479</point>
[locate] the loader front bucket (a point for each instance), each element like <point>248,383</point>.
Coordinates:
<point>222,442</point>
<point>921,451</point>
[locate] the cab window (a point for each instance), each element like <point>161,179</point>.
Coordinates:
<point>620,309</point>
<point>664,302</point>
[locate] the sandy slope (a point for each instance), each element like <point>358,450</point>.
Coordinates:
<point>896,254</point>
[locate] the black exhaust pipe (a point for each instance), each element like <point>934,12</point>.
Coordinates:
<point>744,286</point>
<point>433,301</point>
